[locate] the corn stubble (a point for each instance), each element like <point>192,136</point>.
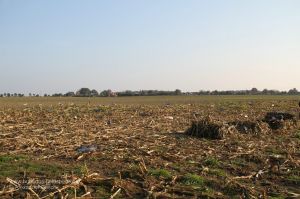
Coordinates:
<point>150,151</point>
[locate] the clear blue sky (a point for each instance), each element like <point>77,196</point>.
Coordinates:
<point>62,45</point>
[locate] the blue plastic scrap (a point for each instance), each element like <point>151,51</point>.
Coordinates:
<point>86,149</point>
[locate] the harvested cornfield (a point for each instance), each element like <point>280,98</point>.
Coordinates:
<point>139,148</point>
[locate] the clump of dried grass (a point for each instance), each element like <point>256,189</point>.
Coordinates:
<point>206,129</point>
<point>252,127</point>
<point>277,120</point>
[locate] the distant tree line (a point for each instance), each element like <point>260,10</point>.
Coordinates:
<point>253,91</point>
<point>11,95</point>
<point>86,92</point>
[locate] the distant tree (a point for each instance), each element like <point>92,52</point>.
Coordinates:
<point>293,91</point>
<point>177,92</point>
<point>70,94</point>
<point>8,95</point>
<point>1,95</point>
<point>265,91</point>
<point>254,91</point>
<point>143,93</point>
<point>94,93</point>
<point>215,92</point>
<point>108,93</point>
<point>57,95</point>
<point>150,92</point>
<point>274,92</point>
<point>30,94</point>
<point>203,92</point>
<point>128,93</point>
<point>83,92</point>
<point>105,93</point>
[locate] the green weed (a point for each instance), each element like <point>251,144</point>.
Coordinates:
<point>160,173</point>
<point>193,179</point>
<point>211,161</point>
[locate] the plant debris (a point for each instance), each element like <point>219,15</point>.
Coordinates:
<point>252,127</point>
<point>65,148</point>
<point>206,129</point>
<point>276,120</point>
